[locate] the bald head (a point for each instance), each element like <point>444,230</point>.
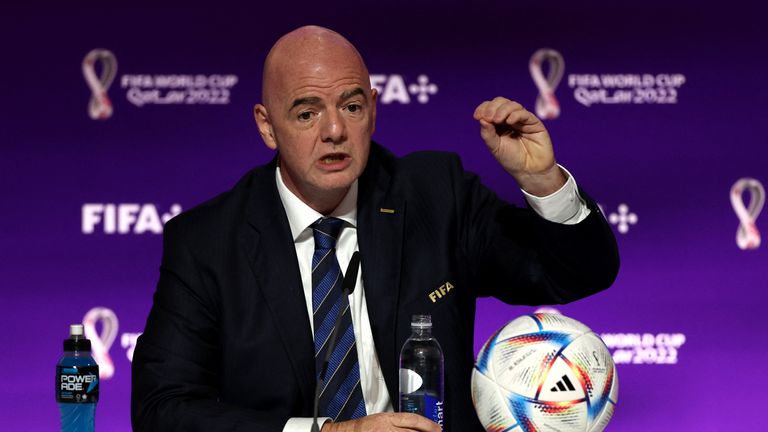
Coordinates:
<point>307,51</point>
<point>319,112</point>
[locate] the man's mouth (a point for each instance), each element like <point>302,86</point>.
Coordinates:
<point>333,158</point>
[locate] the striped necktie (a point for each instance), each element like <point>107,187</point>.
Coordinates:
<point>341,397</point>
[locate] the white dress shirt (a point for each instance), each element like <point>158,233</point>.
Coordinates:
<point>564,206</point>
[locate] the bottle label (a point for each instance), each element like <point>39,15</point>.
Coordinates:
<point>77,384</point>
<point>423,404</point>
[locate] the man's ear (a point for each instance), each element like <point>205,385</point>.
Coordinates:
<point>265,126</point>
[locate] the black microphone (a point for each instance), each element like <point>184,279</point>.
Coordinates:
<point>347,288</point>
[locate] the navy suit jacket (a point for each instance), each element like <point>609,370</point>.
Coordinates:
<point>228,345</point>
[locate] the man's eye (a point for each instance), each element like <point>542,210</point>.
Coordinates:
<point>353,107</point>
<point>306,115</point>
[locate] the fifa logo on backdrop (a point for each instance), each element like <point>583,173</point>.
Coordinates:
<point>747,235</point>
<point>99,106</point>
<point>392,88</point>
<point>128,218</point>
<point>547,106</point>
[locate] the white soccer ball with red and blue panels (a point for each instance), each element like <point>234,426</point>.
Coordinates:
<point>544,373</point>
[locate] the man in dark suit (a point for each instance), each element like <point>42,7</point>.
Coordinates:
<point>232,338</point>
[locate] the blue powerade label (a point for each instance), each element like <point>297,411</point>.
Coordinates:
<point>77,384</point>
<point>424,404</point>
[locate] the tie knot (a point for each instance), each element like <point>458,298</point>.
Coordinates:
<point>326,231</point>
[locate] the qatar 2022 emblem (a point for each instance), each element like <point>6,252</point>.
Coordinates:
<point>747,235</point>
<point>99,107</point>
<point>101,342</point>
<point>547,106</point>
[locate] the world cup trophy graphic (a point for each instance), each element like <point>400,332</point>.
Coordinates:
<point>747,235</point>
<point>99,107</point>
<point>547,106</point>
<point>101,343</point>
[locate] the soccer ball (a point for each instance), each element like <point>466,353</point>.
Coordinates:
<point>544,373</point>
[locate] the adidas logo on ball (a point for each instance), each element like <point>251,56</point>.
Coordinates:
<point>563,385</point>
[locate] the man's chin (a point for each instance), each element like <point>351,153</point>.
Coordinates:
<point>336,187</point>
<point>337,180</point>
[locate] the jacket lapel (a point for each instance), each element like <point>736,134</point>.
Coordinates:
<point>268,244</point>
<point>381,216</point>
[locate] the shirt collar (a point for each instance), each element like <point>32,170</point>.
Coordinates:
<point>301,216</point>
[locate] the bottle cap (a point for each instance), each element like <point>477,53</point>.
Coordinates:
<point>421,321</point>
<point>76,340</point>
<point>76,330</point>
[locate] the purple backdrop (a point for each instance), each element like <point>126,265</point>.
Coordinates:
<point>662,109</point>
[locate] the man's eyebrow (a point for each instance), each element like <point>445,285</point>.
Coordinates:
<point>310,100</point>
<point>354,92</point>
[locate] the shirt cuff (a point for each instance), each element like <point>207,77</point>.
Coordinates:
<point>303,424</point>
<point>564,206</point>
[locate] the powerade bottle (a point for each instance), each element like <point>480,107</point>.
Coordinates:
<point>421,372</point>
<point>77,383</point>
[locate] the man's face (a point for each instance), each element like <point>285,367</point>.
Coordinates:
<point>322,114</point>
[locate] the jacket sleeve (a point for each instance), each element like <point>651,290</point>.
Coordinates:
<point>521,258</point>
<point>176,361</point>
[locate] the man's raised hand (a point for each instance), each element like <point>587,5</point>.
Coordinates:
<point>521,144</point>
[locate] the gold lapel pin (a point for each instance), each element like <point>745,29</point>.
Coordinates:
<point>386,210</point>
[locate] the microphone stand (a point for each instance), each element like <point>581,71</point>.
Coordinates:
<point>348,286</point>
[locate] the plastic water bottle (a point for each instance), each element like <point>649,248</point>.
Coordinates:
<point>77,383</point>
<point>421,372</point>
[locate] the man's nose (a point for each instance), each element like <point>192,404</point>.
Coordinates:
<point>334,129</point>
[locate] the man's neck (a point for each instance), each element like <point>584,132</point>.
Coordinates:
<point>301,215</point>
<point>323,202</point>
